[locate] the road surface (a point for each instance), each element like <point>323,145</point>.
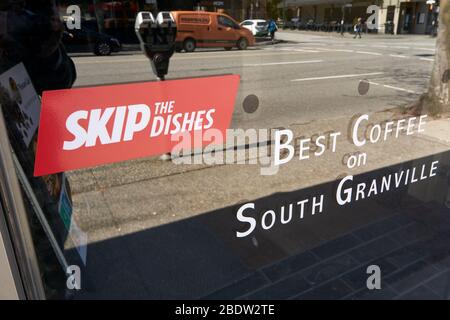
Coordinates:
<point>305,78</point>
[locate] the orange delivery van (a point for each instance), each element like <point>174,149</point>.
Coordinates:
<point>201,29</point>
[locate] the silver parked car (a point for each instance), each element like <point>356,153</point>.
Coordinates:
<point>258,27</point>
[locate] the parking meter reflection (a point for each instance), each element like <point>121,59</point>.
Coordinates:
<point>157,38</point>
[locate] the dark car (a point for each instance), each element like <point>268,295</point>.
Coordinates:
<point>87,39</point>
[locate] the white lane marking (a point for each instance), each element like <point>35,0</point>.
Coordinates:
<point>262,53</point>
<point>280,63</point>
<point>379,46</point>
<point>393,87</point>
<point>344,50</point>
<point>109,61</point>
<point>302,50</point>
<point>339,76</point>
<point>334,50</point>
<point>399,89</point>
<point>312,48</point>
<point>175,58</point>
<point>426,59</point>
<point>398,56</point>
<point>371,53</point>
<point>299,50</point>
<point>429,49</point>
<point>400,47</point>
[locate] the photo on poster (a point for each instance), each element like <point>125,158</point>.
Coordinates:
<point>19,90</point>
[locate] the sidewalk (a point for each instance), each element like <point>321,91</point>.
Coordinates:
<point>440,130</point>
<point>137,194</point>
<point>172,227</point>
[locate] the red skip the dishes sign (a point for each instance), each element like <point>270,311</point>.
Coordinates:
<point>87,127</point>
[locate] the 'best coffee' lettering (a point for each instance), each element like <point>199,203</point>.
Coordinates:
<point>89,127</point>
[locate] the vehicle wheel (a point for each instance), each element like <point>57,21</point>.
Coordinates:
<point>102,49</point>
<point>189,45</point>
<point>242,44</point>
<point>228,48</point>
